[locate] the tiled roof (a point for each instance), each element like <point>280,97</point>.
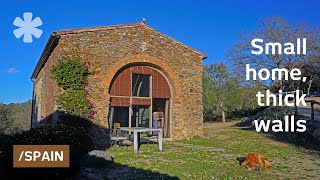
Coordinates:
<point>54,38</point>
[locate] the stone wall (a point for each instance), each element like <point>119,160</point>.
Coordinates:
<point>45,91</point>
<point>106,51</point>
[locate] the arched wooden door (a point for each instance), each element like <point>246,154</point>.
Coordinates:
<point>137,92</point>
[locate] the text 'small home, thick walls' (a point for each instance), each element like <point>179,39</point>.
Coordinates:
<point>121,59</point>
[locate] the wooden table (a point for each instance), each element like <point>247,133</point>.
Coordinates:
<point>136,135</point>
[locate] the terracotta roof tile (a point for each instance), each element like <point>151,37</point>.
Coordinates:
<point>100,28</point>
<point>54,38</point>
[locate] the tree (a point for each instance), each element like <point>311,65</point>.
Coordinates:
<point>20,113</point>
<point>5,121</point>
<point>311,69</point>
<point>221,90</point>
<point>15,117</point>
<point>274,29</point>
<point>209,96</point>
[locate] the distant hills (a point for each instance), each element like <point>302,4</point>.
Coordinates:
<point>15,117</point>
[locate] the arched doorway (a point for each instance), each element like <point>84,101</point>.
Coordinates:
<point>137,93</point>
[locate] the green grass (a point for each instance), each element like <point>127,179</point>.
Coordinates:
<point>189,159</point>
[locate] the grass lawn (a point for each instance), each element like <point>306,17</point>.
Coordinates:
<point>214,157</point>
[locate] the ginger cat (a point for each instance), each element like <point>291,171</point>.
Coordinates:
<point>255,161</point>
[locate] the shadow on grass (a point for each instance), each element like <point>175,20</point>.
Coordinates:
<point>101,136</point>
<point>120,171</point>
<point>112,171</point>
<point>241,160</point>
<point>303,140</point>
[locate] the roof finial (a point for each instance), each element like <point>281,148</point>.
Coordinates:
<point>143,21</point>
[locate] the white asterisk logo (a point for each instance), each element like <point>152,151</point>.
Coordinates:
<point>27,27</point>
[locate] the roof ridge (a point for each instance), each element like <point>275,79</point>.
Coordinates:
<point>54,38</point>
<point>97,28</point>
<point>180,43</point>
<point>120,26</point>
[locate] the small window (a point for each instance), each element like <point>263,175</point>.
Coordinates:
<point>140,85</point>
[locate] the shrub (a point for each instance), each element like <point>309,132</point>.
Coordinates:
<point>70,73</point>
<point>79,140</point>
<point>76,121</point>
<point>265,113</point>
<point>75,102</point>
<point>4,139</point>
<point>71,76</point>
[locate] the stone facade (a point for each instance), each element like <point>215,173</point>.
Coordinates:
<point>106,50</point>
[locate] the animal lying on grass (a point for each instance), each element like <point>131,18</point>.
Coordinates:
<point>254,161</point>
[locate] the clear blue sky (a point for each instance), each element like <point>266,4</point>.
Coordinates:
<point>209,26</point>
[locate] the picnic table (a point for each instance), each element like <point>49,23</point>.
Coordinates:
<point>136,135</point>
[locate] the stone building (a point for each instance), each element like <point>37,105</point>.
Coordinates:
<point>135,71</point>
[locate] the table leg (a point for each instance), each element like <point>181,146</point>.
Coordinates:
<point>135,142</point>
<point>139,143</point>
<point>160,140</point>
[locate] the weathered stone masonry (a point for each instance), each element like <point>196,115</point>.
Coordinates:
<point>106,50</point>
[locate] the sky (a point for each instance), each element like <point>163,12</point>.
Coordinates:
<point>211,27</point>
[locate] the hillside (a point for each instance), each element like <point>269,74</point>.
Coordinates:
<point>15,117</point>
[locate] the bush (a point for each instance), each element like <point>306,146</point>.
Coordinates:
<point>75,102</point>
<point>75,121</point>
<point>79,140</point>
<point>70,73</point>
<point>4,139</point>
<point>265,113</point>
<point>246,112</point>
<point>209,115</point>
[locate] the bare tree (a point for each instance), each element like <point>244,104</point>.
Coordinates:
<point>273,29</point>
<point>312,70</point>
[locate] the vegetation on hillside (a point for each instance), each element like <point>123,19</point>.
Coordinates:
<point>15,118</point>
